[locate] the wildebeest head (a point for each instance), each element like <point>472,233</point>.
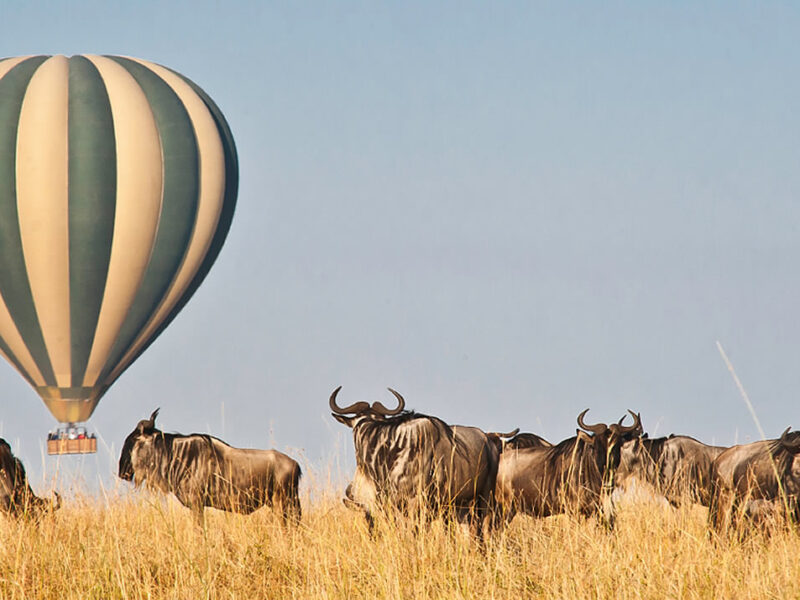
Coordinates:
<point>790,441</point>
<point>790,446</point>
<point>143,433</point>
<point>607,440</point>
<point>351,415</point>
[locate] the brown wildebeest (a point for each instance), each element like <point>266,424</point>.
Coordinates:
<point>202,470</point>
<point>678,466</point>
<point>748,478</point>
<point>16,496</point>
<point>418,464</point>
<point>572,475</point>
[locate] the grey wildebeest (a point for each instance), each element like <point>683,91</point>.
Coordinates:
<point>752,480</point>
<point>418,464</point>
<point>16,496</point>
<point>576,474</point>
<point>678,466</point>
<point>202,470</point>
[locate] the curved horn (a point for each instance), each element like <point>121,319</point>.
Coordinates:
<point>379,408</point>
<point>793,445</point>
<point>355,408</point>
<point>153,416</point>
<point>510,434</point>
<point>597,429</point>
<point>637,423</point>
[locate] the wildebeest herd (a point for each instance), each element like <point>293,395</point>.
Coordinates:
<point>423,467</point>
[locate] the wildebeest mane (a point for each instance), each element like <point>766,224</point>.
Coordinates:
<point>574,458</point>
<point>524,440</point>
<point>377,447</point>
<point>390,424</point>
<point>655,446</point>
<point>172,466</point>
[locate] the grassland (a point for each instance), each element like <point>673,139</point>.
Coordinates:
<point>145,546</point>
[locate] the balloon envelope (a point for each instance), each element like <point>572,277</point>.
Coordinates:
<point>118,182</point>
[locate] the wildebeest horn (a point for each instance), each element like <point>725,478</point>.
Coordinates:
<point>153,416</point>
<point>598,429</point>
<point>379,408</point>
<point>792,446</point>
<point>353,408</point>
<point>56,504</point>
<point>637,423</point>
<point>510,434</point>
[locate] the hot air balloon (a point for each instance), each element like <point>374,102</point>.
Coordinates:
<point>118,181</point>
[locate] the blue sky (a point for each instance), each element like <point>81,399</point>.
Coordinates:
<point>507,213</point>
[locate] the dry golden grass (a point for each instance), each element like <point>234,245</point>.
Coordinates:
<point>143,546</point>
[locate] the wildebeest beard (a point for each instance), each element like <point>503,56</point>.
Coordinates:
<point>125,470</point>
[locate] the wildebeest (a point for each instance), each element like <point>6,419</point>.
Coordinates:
<point>570,476</point>
<point>202,470</point>
<point>418,464</point>
<point>16,496</point>
<point>748,478</point>
<point>678,466</point>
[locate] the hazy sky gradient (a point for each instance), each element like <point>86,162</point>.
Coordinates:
<point>507,213</point>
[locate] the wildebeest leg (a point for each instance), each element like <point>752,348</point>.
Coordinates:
<point>720,511</point>
<point>353,505</point>
<point>607,511</point>
<point>199,515</point>
<point>292,512</point>
<point>475,517</point>
<point>290,508</point>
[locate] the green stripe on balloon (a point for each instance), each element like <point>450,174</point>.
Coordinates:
<point>178,211</point>
<point>92,202</point>
<point>225,217</point>
<point>12,357</point>
<point>14,284</point>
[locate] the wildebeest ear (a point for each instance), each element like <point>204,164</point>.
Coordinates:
<point>343,419</point>
<point>645,436</point>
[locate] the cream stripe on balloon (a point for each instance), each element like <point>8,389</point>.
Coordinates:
<point>212,190</point>
<point>10,63</point>
<point>42,204</point>
<point>10,335</point>
<point>138,205</point>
